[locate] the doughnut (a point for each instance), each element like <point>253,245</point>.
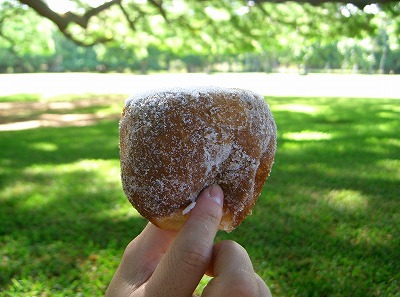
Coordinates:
<point>175,142</point>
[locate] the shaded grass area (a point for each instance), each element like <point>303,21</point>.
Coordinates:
<point>326,224</point>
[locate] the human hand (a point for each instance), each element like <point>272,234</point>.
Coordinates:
<point>167,263</point>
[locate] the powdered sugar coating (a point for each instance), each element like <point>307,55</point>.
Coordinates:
<point>175,142</point>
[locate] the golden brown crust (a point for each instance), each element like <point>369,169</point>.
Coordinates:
<point>176,142</point>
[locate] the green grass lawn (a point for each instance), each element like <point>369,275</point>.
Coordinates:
<point>327,222</point>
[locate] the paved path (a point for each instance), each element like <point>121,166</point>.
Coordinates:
<point>319,85</point>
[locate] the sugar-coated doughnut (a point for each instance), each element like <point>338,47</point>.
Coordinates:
<point>176,142</point>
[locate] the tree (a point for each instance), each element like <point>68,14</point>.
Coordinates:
<point>88,25</point>
<point>135,30</point>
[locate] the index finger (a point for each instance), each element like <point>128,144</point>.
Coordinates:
<point>139,260</point>
<point>184,264</point>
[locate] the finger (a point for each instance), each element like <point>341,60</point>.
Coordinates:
<point>146,251</point>
<point>183,266</point>
<point>262,287</point>
<point>233,272</point>
<point>140,258</point>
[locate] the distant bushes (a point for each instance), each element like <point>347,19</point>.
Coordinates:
<point>345,56</point>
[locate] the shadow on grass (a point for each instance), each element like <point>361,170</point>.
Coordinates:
<point>22,149</point>
<point>326,224</point>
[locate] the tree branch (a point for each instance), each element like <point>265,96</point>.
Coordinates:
<point>44,10</point>
<point>131,23</point>
<point>293,24</point>
<point>85,43</point>
<point>160,8</point>
<point>62,21</point>
<point>359,3</point>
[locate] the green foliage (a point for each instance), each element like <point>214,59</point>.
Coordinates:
<point>141,35</point>
<point>71,57</point>
<point>201,35</point>
<point>25,38</point>
<point>326,224</point>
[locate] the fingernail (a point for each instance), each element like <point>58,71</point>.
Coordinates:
<point>216,194</point>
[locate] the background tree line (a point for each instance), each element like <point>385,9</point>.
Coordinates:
<point>178,35</point>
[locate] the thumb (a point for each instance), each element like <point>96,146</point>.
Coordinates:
<point>183,266</point>
<point>208,210</point>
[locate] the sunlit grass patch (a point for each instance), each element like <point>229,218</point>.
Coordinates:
<point>87,96</point>
<point>301,108</point>
<point>347,200</point>
<point>45,146</point>
<point>114,108</point>
<point>20,98</point>
<point>203,283</point>
<point>391,166</point>
<point>307,135</point>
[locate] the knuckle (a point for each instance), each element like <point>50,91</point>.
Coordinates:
<point>243,286</point>
<point>192,259</point>
<point>232,247</point>
<point>130,249</point>
<point>212,217</point>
